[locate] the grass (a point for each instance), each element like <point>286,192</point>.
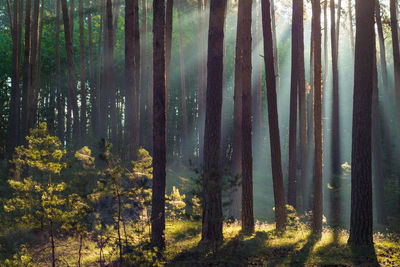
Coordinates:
<point>266,247</point>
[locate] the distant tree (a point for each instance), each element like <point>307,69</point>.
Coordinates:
<point>82,65</point>
<point>159,126</point>
<point>72,97</point>
<point>361,181</point>
<point>276,163</point>
<point>212,195</point>
<point>317,202</point>
<point>131,107</point>
<point>335,126</point>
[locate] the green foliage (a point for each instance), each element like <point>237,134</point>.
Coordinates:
<point>21,259</point>
<point>38,198</point>
<point>175,204</point>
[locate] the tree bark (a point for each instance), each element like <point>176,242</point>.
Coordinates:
<point>72,101</point>
<point>183,86</point>
<point>92,81</point>
<point>82,69</point>
<point>317,202</point>
<point>159,126</point>
<point>14,117</point>
<point>244,70</point>
<point>131,13</point>
<point>27,72</point>
<point>277,179</point>
<point>212,196</point>
<point>361,180</point>
<point>144,75</point>
<point>297,18</point>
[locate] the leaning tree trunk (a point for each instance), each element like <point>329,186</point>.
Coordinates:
<point>361,181</point>
<point>317,202</point>
<point>277,179</point>
<point>212,192</point>
<point>159,127</point>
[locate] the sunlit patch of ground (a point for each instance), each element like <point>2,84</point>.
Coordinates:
<point>266,247</point>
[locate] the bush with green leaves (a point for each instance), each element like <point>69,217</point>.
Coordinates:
<point>175,204</point>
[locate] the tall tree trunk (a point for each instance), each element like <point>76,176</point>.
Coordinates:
<point>335,127</point>
<point>27,72</point>
<point>302,107</point>
<point>99,89</point>
<point>14,117</point>
<point>317,202</point>
<point>71,69</point>
<point>361,181</point>
<point>243,71</point>
<point>275,44</point>
<point>136,40</point>
<point>60,100</point>
<point>131,75</point>
<point>379,191</point>
<point>159,126</point>
<point>325,74</point>
<point>212,196</point>
<point>183,86</point>
<point>92,81</point>
<point>168,47</point>
<point>297,16</point>
<point>277,179</point>
<point>82,69</point>
<point>396,64</point>
<point>144,74</point>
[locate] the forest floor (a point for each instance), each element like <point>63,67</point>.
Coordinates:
<point>265,247</point>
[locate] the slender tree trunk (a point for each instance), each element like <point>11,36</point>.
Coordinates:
<point>80,249</point>
<point>212,196</point>
<point>92,82</point>
<point>361,181</point>
<point>335,127</point>
<point>297,17</point>
<point>277,179</point>
<point>243,71</point>
<point>60,101</point>
<point>144,76</point>
<point>26,74</point>
<point>325,74</point>
<point>396,64</point>
<point>317,203</point>
<point>159,127</point>
<point>276,57</point>
<point>99,89</point>
<point>302,107</point>
<point>82,69</point>
<point>131,75</point>
<point>72,101</point>
<point>236,194</point>
<point>53,247</point>
<point>136,40</point>
<point>183,86</point>
<point>14,117</point>
<point>168,47</point>
<point>379,191</point>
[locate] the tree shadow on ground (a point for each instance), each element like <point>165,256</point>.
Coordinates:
<point>241,250</point>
